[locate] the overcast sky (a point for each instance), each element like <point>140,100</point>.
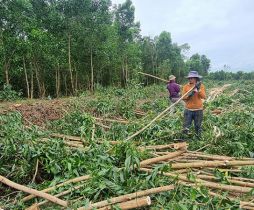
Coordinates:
<point>223,30</point>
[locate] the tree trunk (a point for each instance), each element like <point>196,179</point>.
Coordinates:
<point>32,84</point>
<point>26,77</point>
<point>92,73</point>
<point>6,72</point>
<point>37,79</point>
<point>6,67</point>
<point>126,70</point>
<point>57,80</point>
<point>76,79</point>
<point>43,89</point>
<point>69,60</point>
<point>65,84</point>
<point>123,75</point>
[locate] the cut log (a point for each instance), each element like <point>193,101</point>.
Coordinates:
<point>161,158</point>
<point>202,164</point>
<point>128,197</point>
<point>232,181</point>
<point>77,179</point>
<point>133,204</point>
<point>205,183</point>
<point>211,157</point>
<point>111,120</point>
<point>33,191</point>
<point>74,138</point>
<point>168,146</point>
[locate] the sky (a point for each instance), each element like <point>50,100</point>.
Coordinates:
<point>223,30</point>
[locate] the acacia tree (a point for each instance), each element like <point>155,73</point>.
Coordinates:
<point>199,63</point>
<point>128,32</point>
<point>59,47</point>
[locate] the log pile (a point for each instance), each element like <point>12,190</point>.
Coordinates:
<point>182,163</point>
<point>202,167</point>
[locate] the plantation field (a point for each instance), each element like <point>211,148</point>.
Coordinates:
<point>45,143</point>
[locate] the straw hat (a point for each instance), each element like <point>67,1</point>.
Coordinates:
<point>171,77</point>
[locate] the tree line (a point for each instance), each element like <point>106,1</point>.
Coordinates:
<point>224,75</point>
<point>62,47</point>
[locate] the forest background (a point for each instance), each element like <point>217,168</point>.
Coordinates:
<point>54,48</point>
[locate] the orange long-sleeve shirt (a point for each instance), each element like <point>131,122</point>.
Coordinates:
<point>194,102</point>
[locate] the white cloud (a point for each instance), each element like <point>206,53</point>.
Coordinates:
<point>220,29</point>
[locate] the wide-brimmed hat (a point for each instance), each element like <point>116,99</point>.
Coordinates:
<point>193,74</point>
<point>171,77</point>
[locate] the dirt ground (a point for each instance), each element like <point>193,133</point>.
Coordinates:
<point>37,112</point>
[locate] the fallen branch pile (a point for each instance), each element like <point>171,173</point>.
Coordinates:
<point>202,166</point>
<point>182,162</point>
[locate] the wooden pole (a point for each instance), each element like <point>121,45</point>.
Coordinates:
<point>201,164</point>
<point>127,197</point>
<point>78,179</point>
<point>212,185</point>
<point>162,114</point>
<point>167,146</point>
<point>149,75</point>
<point>33,191</point>
<point>133,204</point>
<point>161,158</point>
<point>112,120</point>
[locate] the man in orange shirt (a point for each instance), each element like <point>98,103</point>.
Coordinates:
<point>193,103</point>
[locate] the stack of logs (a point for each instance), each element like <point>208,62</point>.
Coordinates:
<point>202,166</point>
<point>181,161</point>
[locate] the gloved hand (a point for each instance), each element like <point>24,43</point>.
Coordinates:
<point>198,84</point>
<point>190,94</point>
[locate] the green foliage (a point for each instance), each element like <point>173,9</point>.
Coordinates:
<point>8,94</point>
<point>114,168</point>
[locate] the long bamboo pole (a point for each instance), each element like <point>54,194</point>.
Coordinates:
<point>77,179</point>
<point>159,116</point>
<point>33,191</point>
<point>127,197</point>
<point>167,146</point>
<point>230,180</point>
<point>62,193</point>
<point>149,75</point>
<point>112,120</point>
<point>133,204</point>
<point>211,157</point>
<point>201,164</point>
<point>74,138</point>
<point>161,158</point>
<point>205,183</point>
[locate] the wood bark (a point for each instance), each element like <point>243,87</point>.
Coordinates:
<point>37,77</point>
<point>167,146</point>
<point>32,85</point>
<point>26,77</point>
<point>133,204</point>
<point>161,158</point>
<point>201,164</point>
<point>92,73</point>
<point>69,62</point>
<point>128,197</point>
